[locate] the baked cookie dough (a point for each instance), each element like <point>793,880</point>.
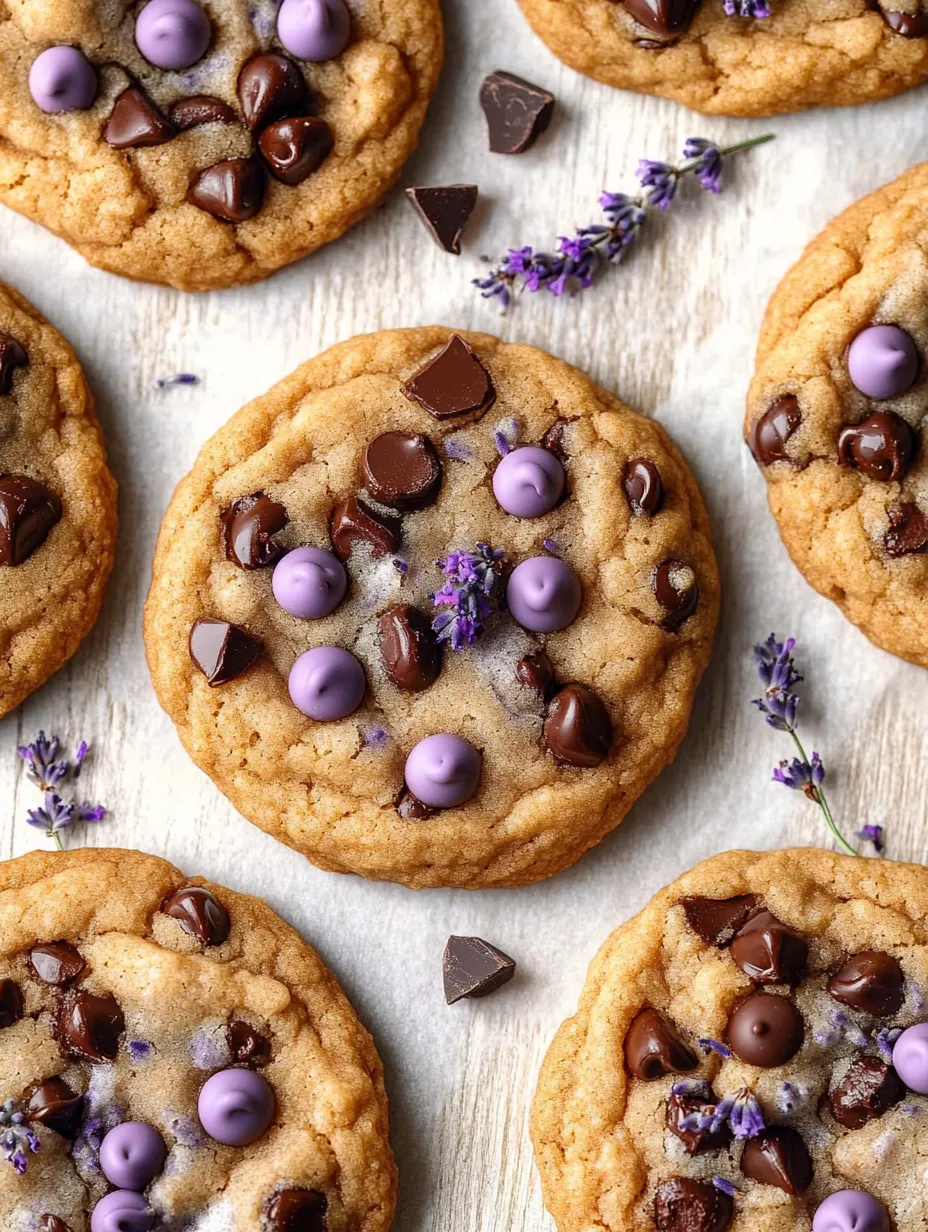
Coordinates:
<point>177,1058</point>
<point>749,1055</point>
<point>807,53</point>
<point>836,413</point>
<point>57,502</point>
<point>434,609</point>
<point>207,144</point>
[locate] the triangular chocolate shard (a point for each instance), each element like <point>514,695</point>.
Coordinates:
<point>517,112</point>
<point>445,211</point>
<point>473,968</point>
<point>135,121</point>
<point>222,651</point>
<point>718,920</point>
<point>454,382</point>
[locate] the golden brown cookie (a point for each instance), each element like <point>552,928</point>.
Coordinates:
<point>57,502</point>
<point>732,1062</point>
<point>804,54</point>
<point>835,414</point>
<point>245,1090</point>
<point>204,145</point>
<point>478,726</point>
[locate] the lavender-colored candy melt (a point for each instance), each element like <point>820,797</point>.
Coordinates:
<point>327,683</point>
<point>132,1155</point>
<point>172,34</point>
<point>443,770</point>
<point>528,482</point>
<point>236,1106</point>
<point>63,79</point>
<point>883,361</point>
<point>122,1211</point>
<point>543,594</point>
<point>910,1058</point>
<point>851,1210</point>
<point>309,583</point>
<point>314,30</point>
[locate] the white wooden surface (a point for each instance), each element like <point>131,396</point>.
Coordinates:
<point>672,332</point>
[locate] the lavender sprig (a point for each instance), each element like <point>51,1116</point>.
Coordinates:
<point>579,257</point>
<point>178,378</point>
<point>780,707</point>
<point>51,775</point>
<point>741,1112</point>
<point>469,596</point>
<point>17,1140</point>
<point>873,834</point>
<point>746,8</point>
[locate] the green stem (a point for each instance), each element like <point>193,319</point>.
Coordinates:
<point>725,150</point>
<point>822,801</point>
<point>57,837</point>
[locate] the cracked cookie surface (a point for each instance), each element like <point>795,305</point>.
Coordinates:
<point>220,172</point>
<point>549,736</point>
<point>808,53</point>
<point>126,989</point>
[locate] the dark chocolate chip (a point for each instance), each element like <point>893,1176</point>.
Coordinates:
<point>445,211</point>
<point>56,963</point>
<point>643,487</point>
<point>403,470</point>
<point>908,530</point>
<point>765,1030</point>
<point>411,808</point>
<point>677,591</point>
<point>200,109</point>
<point>51,1223</point>
<point>353,523</point>
<point>471,967</point>
<point>778,1157</point>
<point>248,525</point>
<point>271,87</point>
<point>553,440</point>
<point>653,1048</point>
<point>135,121</point>
<point>867,1090</point>
<point>717,920</point>
<point>54,1105</point>
<point>536,671</point>
<point>11,1003</point>
<point>28,511</point>
<point>882,446</point>
<point>684,1205</point>
<point>871,982</point>
<point>247,1046</point>
<point>769,951</point>
<point>297,1210</point>
<point>232,191</point>
<point>517,112</point>
<point>222,651</point>
<point>578,730</point>
<point>296,147</point>
<point>12,356</point>
<point>199,913</point>
<point>908,25</point>
<point>695,1141</point>
<point>89,1027</point>
<point>768,437</point>
<point>662,16</point>
<point>411,655</point>
<point>453,382</point>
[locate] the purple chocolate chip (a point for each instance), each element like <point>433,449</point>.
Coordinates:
<point>236,1106</point>
<point>883,361</point>
<point>851,1210</point>
<point>443,770</point>
<point>543,594</point>
<point>327,683</point>
<point>172,34</point>
<point>63,79</point>
<point>910,1057</point>
<point>314,30</point>
<point>309,583</point>
<point>528,482</point>
<point>132,1155</point>
<point>122,1211</point>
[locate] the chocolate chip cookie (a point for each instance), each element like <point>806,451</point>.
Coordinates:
<point>836,414</point>
<point>434,609</point>
<point>207,144</point>
<point>57,502</point>
<point>174,1056</point>
<point>742,57</point>
<point>750,1053</point>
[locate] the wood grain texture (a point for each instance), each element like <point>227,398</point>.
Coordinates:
<point>673,333</point>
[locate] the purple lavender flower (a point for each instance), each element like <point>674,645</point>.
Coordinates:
<point>459,450</point>
<point>660,180</point>
<point>139,1050</point>
<point>746,8</point>
<point>506,436</point>
<point>49,773</point>
<point>691,1088</point>
<point>708,162</point>
<point>42,768</point>
<point>801,775</point>
<point>842,1028</point>
<point>777,671</point>
<point>469,596</point>
<point>711,1045</point>
<point>179,378</point>
<point>17,1140</point>
<point>374,738</point>
<point>551,545</point>
<point>741,1111</point>
<point>725,1186</point>
<point>873,834</point>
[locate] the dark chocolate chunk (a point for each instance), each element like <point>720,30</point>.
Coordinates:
<point>517,112</point>
<point>769,951</point>
<point>232,191</point>
<point>536,671</point>
<point>768,437</point>
<point>882,446</point>
<point>453,382</point>
<point>11,1003</point>
<point>56,963</point>
<point>247,1046</point>
<point>643,487</point>
<point>56,1106</point>
<point>89,1027</point>
<point>28,511</point>
<point>472,967</point>
<point>248,525</point>
<point>677,591</point>
<point>778,1157</point>
<point>653,1048</point>
<point>353,522</point>
<point>578,730</point>
<point>411,654</point>
<point>411,808</point>
<point>222,651</point>
<point>403,470</point>
<point>553,440</point>
<point>445,211</point>
<point>717,920</point>
<point>662,16</point>
<point>908,25</point>
<point>296,147</point>
<point>868,1089</point>
<point>135,121</point>
<point>12,356</point>
<point>908,530</point>
<point>297,1210</point>
<point>271,87</point>
<point>765,1030</point>
<point>199,913</point>
<point>51,1223</point>
<point>696,1141</point>
<point>200,109</point>
<point>871,982</point>
<point>684,1205</point>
